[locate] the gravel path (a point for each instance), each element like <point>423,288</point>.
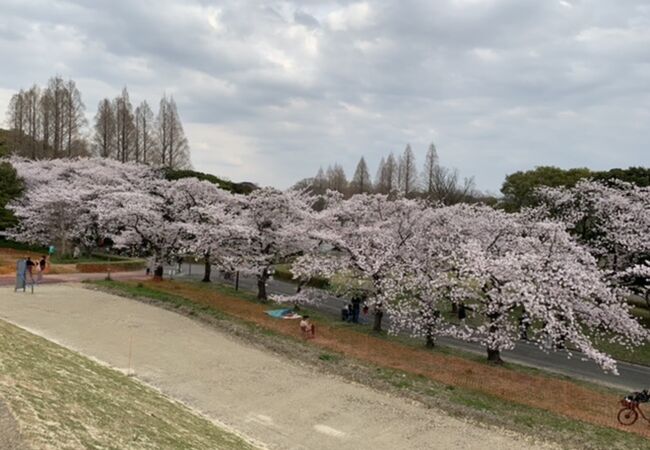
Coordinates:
<point>262,396</point>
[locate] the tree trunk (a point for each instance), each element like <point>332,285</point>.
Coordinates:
<point>430,341</point>
<point>208,269</point>
<point>261,285</point>
<point>454,307</point>
<point>379,314</point>
<point>158,273</point>
<point>494,356</point>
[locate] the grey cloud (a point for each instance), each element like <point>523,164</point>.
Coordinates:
<point>499,85</point>
<point>305,19</point>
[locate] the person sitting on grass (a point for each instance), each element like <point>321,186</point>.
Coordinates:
<point>307,328</point>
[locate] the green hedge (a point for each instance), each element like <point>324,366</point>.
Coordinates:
<point>7,243</point>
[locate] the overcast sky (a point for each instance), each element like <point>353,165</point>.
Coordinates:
<point>269,90</point>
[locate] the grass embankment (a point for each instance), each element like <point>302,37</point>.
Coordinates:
<point>63,400</point>
<point>545,406</point>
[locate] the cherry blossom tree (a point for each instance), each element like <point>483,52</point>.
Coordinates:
<point>273,223</point>
<point>214,229</point>
<point>157,218</point>
<point>612,220</point>
<point>365,236</point>
<point>61,199</point>
<point>509,269</point>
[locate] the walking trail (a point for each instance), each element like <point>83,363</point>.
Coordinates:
<point>263,396</point>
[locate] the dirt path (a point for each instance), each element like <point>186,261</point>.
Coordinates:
<point>10,280</point>
<point>260,395</point>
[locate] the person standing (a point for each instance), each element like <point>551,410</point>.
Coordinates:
<point>30,267</point>
<point>462,311</point>
<point>357,299</point>
<point>42,264</point>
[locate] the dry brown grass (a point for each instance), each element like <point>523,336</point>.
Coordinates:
<point>8,257</point>
<point>555,395</point>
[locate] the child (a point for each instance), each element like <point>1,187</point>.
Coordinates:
<point>42,264</point>
<point>307,328</point>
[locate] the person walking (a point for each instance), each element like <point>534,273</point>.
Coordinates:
<point>42,264</point>
<point>30,267</point>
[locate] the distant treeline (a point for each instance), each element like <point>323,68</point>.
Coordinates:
<point>400,175</point>
<point>50,122</point>
<point>519,188</point>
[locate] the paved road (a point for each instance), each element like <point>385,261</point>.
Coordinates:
<point>631,377</point>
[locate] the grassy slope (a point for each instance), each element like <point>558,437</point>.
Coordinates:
<point>455,400</point>
<point>63,400</point>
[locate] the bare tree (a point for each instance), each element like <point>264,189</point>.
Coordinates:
<point>319,182</point>
<point>449,189</point>
<point>408,176</point>
<point>32,117</point>
<point>429,172</point>
<point>105,138</point>
<point>16,119</point>
<point>125,126</point>
<point>56,92</point>
<point>379,175</point>
<point>361,180</point>
<point>387,175</point>
<point>46,119</point>
<point>144,134</point>
<point>24,123</point>
<point>336,179</point>
<point>174,148</point>
<point>73,119</point>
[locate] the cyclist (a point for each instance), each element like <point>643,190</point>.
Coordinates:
<point>639,397</point>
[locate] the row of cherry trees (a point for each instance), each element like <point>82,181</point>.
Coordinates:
<point>539,268</point>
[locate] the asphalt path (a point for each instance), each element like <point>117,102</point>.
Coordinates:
<point>632,377</point>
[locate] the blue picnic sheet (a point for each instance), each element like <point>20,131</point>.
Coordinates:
<point>285,313</point>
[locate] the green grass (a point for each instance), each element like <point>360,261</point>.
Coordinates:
<point>455,401</point>
<point>637,355</point>
<point>283,272</point>
<point>64,400</point>
<point>94,258</point>
<point>5,243</point>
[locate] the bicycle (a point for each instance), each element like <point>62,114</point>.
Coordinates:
<point>630,412</point>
